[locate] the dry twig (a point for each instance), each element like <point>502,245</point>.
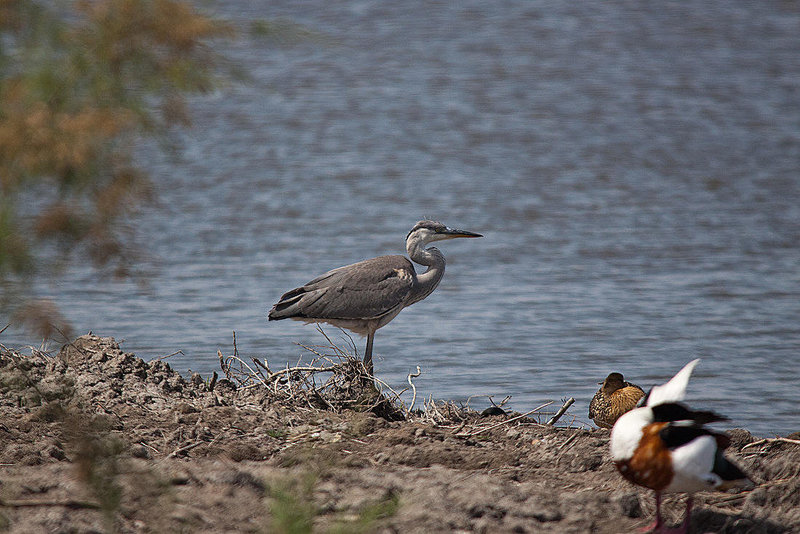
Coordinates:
<point>348,384</point>
<point>561,411</point>
<point>569,440</point>
<point>501,423</point>
<point>502,402</point>
<point>159,358</point>
<point>768,441</point>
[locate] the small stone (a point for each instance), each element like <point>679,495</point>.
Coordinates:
<point>31,459</point>
<point>245,451</point>
<point>329,437</point>
<point>185,407</point>
<point>486,510</point>
<point>757,497</point>
<point>629,505</point>
<point>225,386</point>
<point>180,479</point>
<point>247,480</point>
<point>583,463</point>
<point>544,512</point>
<point>140,451</point>
<point>57,453</point>
<point>513,433</point>
<point>547,516</point>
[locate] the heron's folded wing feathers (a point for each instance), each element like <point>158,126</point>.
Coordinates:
<point>363,290</point>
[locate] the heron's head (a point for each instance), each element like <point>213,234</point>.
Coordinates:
<point>428,231</point>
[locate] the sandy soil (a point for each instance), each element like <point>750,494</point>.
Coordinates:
<point>96,440</point>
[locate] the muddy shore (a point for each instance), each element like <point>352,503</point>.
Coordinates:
<point>93,439</point>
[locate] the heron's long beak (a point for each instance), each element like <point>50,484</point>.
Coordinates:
<point>452,233</point>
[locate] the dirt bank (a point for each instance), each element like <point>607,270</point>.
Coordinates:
<point>94,439</point>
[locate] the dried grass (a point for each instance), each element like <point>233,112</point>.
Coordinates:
<point>335,379</point>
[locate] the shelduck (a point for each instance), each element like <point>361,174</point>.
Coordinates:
<point>664,446</point>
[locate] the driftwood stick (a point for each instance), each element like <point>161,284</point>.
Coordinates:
<point>561,412</point>
<point>501,423</point>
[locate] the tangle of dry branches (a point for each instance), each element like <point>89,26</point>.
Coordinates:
<point>333,379</point>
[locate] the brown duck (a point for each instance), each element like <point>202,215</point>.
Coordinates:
<point>613,399</point>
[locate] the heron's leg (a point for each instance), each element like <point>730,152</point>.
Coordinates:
<point>368,353</point>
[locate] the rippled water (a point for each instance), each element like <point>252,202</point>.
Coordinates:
<point>635,168</point>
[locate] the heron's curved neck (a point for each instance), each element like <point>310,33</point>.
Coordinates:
<point>434,260</point>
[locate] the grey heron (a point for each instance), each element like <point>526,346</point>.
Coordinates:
<point>365,296</point>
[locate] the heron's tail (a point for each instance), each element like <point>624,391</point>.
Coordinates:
<point>286,307</point>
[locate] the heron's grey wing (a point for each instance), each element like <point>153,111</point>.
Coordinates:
<point>365,290</point>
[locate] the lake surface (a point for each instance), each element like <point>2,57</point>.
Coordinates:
<point>635,168</point>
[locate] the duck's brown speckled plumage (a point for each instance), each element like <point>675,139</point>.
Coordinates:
<point>614,398</point>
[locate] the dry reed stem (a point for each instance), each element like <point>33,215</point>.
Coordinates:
<point>769,441</point>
